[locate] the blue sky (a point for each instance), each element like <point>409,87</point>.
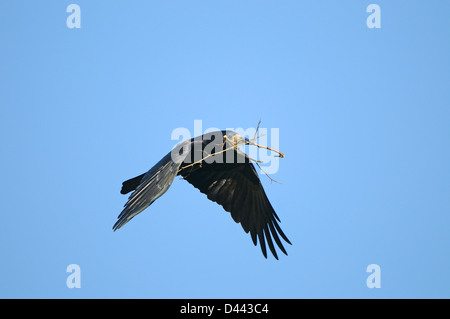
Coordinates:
<point>363,116</point>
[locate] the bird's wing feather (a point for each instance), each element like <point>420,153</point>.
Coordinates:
<point>237,188</point>
<point>152,186</point>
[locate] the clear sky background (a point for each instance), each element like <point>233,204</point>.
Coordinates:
<point>363,116</point>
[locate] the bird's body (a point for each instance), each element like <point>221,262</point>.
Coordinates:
<point>213,164</point>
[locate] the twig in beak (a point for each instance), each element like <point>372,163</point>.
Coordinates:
<point>267,147</point>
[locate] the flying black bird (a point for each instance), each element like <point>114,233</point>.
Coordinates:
<point>213,164</point>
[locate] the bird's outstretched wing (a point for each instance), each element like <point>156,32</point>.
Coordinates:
<point>150,186</point>
<point>236,186</point>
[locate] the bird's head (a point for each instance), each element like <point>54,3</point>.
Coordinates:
<point>233,139</point>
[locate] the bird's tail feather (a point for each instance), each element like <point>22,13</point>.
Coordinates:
<point>131,184</point>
